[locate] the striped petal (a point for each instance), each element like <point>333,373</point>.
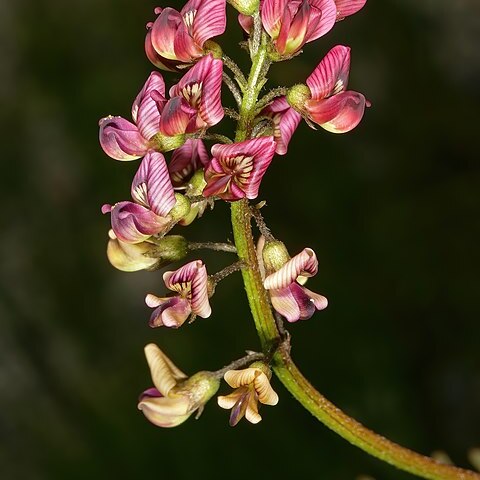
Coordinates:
<point>177,116</point>
<point>322,19</point>
<point>151,186</point>
<point>210,20</point>
<point>172,312</point>
<point>186,49</point>
<point>163,33</point>
<point>272,14</point>
<point>285,122</point>
<point>305,264</point>
<point>145,110</point>
<point>348,7</point>
<point>154,57</point>
<point>340,113</point>
<point>120,139</point>
<point>186,160</point>
<point>291,37</point>
<point>134,223</point>
<point>331,75</point>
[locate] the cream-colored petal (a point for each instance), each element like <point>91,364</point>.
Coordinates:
<point>165,412</point>
<point>251,413</point>
<point>164,372</point>
<point>265,392</point>
<point>239,378</point>
<point>227,401</point>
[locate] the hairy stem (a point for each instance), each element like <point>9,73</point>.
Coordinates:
<point>219,247</point>
<point>270,338</point>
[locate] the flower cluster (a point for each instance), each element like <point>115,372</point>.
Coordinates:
<point>180,174</point>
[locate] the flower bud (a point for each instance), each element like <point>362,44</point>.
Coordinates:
<point>181,208</point>
<point>246,7</point>
<point>165,143</point>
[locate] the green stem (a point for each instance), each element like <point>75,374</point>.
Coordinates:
<point>283,365</point>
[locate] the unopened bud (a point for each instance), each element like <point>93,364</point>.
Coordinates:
<point>247,7</point>
<point>169,249</point>
<point>181,208</point>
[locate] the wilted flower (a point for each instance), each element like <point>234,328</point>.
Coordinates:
<point>195,101</point>
<point>237,169</point>
<point>283,280</point>
<point>326,100</point>
<point>175,396</point>
<point>155,198</point>
<point>190,283</point>
<point>123,140</point>
<point>251,385</point>
<point>176,38</point>
<point>285,121</point>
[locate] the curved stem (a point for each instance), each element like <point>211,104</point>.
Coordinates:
<point>285,369</point>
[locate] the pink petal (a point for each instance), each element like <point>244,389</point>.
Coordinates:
<point>285,304</point>
<point>185,47</point>
<point>145,111</point>
<point>172,313</point>
<point>155,58</point>
<point>134,223</point>
<point>246,22</point>
<point>322,18</point>
<point>163,32</point>
<point>272,14</point>
<point>338,114</point>
<point>186,160</point>
<point>331,75</point>
<point>176,117</point>
<point>199,300</point>
<point>305,264</point>
<point>210,20</point>
<point>285,120</point>
<point>348,7</point>
<point>294,28</point>
<point>121,139</point>
<point>151,186</point>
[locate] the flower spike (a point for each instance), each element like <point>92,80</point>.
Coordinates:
<point>237,169</point>
<point>190,282</point>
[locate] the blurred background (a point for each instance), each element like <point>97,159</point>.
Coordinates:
<point>392,210</point>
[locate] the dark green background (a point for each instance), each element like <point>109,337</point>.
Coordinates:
<point>392,210</point>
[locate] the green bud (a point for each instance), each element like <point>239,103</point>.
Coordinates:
<point>275,256</point>
<point>214,48</point>
<point>247,7</point>
<point>198,388</point>
<point>297,96</point>
<point>169,249</point>
<point>196,184</point>
<point>164,143</point>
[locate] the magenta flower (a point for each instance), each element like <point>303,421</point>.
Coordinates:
<point>237,169</point>
<point>180,36</point>
<point>186,160</point>
<point>331,106</point>
<point>346,8</point>
<point>154,196</point>
<point>288,296</point>
<point>190,283</point>
<point>123,140</point>
<point>293,23</point>
<point>285,121</point>
<point>195,101</point>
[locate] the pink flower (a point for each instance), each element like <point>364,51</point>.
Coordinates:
<point>288,296</point>
<point>285,121</point>
<point>177,37</point>
<point>195,102</point>
<point>346,8</point>
<point>123,140</point>
<point>154,196</point>
<point>331,106</point>
<point>293,23</point>
<point>186,160</point>
<point>190,282</point>
<point>237,169</point>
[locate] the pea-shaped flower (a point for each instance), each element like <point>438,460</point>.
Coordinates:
<point>190,283</point>
<point>252,385</point>
<point>174,396</point>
